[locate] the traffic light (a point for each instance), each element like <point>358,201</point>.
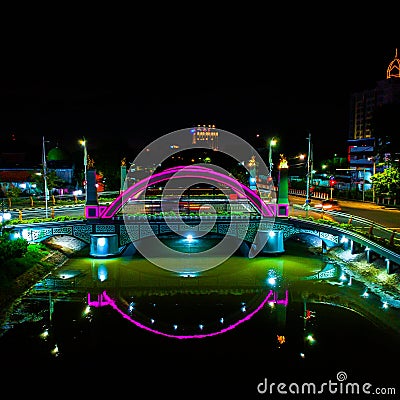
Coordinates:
<point>332,181</point>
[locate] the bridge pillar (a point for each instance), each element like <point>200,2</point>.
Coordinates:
<point>92,202</point>
<point>369,255</point>
<point>274,242</point>
<point>346,243</point>
<point>104,245</point>
<point>355,247</point>
<point>391,267</point>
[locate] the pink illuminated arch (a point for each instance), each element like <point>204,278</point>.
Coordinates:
<point>134,191</point>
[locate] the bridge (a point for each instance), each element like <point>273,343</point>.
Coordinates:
<point>108,233</point>
<point>115,231</point>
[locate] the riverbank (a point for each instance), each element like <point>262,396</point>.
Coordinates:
<point>58,255</point>
<point>373,275</point>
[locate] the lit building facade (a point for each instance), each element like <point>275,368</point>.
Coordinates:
<point>362,137</point>
<point>206,136</point>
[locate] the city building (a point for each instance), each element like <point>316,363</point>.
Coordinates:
<point>20,172</point>
<point>206,136</point>
<point>366,143</point>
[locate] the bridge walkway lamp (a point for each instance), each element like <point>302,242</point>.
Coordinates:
<point>85,162</point>
<point>272,143</point>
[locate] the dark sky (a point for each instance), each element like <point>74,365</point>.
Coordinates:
<point>129,92</point>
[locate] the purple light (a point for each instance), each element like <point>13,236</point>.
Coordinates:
<point>105,300</point>
<point>140,186</point>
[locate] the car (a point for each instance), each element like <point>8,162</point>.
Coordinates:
<point>329,205</point>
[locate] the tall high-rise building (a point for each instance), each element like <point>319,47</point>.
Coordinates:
<point>364,106</point>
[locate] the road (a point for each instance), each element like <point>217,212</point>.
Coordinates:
<point>387,217</point>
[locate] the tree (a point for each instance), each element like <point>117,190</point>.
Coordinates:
<point>13,192</point>
<point>386,129</point>
<point>53,180</point>
<point>387,182</point>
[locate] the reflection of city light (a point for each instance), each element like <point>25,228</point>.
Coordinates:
<point>102,273</point>
<point>272,281</point>
<point>385,304</point>
<point>86,311</point>
<point>281,339</point>
<point>310,338</point>
<point>272,278</point>
<point>187,275</point>
<point>44,334</point>
<point>365,294</point>
<point>55,350</point>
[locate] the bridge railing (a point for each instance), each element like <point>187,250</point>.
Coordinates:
<point>369,228</point>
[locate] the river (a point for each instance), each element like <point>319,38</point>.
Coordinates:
<point>126,325</point>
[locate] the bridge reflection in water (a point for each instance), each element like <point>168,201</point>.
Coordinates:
<point>272,298</point>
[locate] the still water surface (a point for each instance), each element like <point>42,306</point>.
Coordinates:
<point>125,321</point>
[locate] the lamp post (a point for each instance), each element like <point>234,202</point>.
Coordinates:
<point>309,171</point>
<point>363,187</point>
<point>45,176</point>
<point>373,173</point>
<point>83,143</point>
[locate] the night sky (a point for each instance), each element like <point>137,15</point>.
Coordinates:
<point>129,92</point>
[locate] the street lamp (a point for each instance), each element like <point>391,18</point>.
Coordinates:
<point>83,143</point>
<point>272,143</point>
<point>373,173</point>
<point>309,171</point>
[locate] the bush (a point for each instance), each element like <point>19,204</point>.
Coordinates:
<point>10,249</point>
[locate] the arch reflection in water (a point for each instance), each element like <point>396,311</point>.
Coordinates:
<point>103,299</point>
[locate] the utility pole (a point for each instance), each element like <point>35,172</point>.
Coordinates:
<point>309,172</point>
<point>85,163</point>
